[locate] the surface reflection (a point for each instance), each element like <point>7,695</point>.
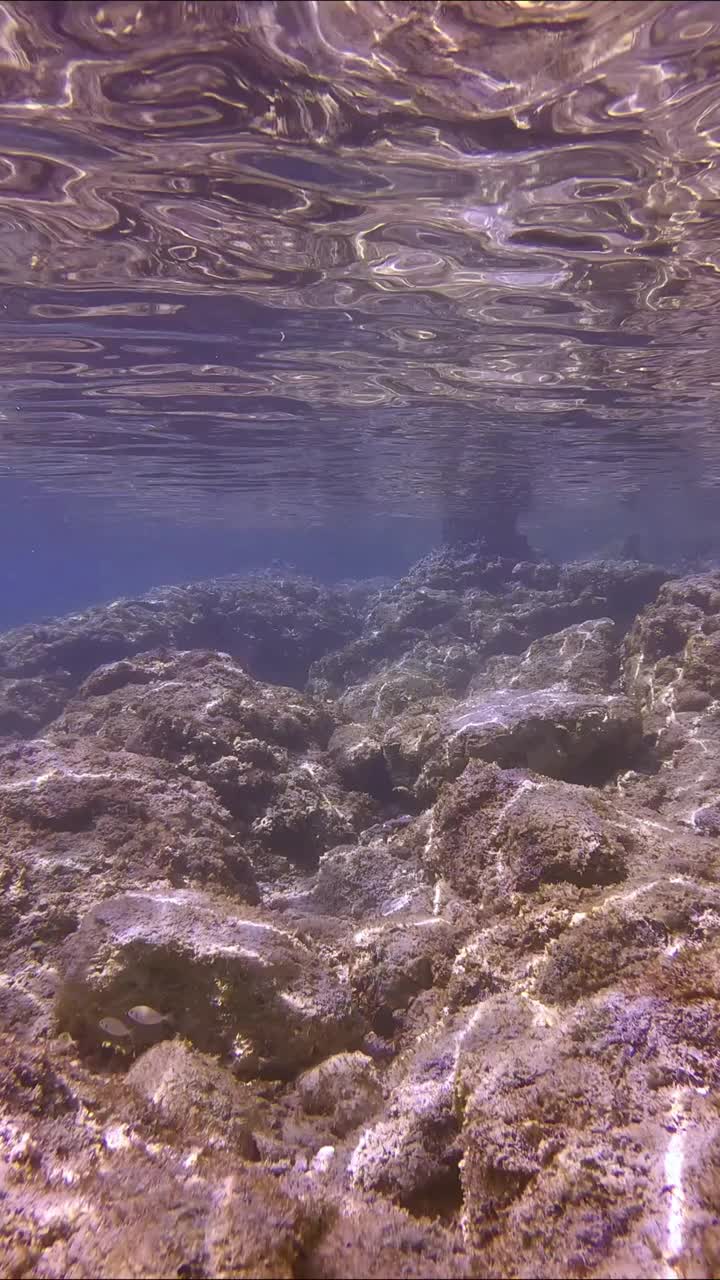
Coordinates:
<point>393,255</point>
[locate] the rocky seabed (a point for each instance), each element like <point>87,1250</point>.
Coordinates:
<point>370,931</point>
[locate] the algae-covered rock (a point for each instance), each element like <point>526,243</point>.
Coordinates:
<point>497,829</point>
<point>233,983</point>
<point>345,1087</point>
<point>197,1095</point>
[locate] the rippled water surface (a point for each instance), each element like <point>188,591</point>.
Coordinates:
<point>287,258</point>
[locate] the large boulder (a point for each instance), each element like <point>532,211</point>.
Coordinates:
<point>578,737</point>
<point>194,1094</point>
<point>496,831</point>
<point>229,981</point>
<point>583,658</point>
<point>81,823</point>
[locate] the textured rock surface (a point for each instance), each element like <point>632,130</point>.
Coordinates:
<point>275,625</point>
<point>430,949</point>
<point>672,661</point>
<point>232,983</point>
<point>495,831</point>
<point>567,735</point>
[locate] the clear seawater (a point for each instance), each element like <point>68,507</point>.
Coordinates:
<point>311,282</point>
<point>359,920</point>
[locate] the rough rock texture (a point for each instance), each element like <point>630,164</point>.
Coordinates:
<point>232,983</point>
<point>193,1092</point>
<point>583,658</point>
<point>427,635</point>
<point>672,661</point>
<point>498,830</point>
<point>568,735</point>
<point>273,624</point>
<point>346,1087</point>
<point>80,822</point>
<point>430,950</point>
<point>257,746</point>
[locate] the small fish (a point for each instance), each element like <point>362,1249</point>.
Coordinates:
<point>114,1028</point>
<point>147,1017</point>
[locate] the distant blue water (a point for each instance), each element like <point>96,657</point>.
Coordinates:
<point>55,559</point>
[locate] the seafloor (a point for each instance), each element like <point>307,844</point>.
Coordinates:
<point>423,878</point>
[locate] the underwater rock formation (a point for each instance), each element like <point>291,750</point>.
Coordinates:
<point>274,625</point>
<point>410,970</point>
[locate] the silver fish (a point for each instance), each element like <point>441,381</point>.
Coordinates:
<point>114,1028</point>
<point>148,1017</point>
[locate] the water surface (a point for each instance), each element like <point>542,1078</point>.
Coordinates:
<point>268,263</point>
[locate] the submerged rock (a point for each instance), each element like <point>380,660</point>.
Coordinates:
<point>81,823</point>
<point>496,830</point>
<point>345,1087</point>
<point>197,1096</point>
<point>274,624</point>
<point>234,983</point>
<point>259,747</point>
<point>565,735</point>
<point>583,658</point>
<point>414,974</point>
<point>671,664</point>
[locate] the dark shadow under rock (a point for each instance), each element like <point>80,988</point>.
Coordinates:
<point>357,754</point>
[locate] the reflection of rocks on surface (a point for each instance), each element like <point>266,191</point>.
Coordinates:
<point>433,945</point>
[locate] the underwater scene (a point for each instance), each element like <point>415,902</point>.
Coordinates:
<point>359,639</point>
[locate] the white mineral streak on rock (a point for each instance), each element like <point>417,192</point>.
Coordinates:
<point>430,835</point>
<point>437,897</point>
<point>397,904</point>
<point>230,949</point>
<point>673,1171</point>
<point>302,1004</point>
<point>426,1095</point>
<point>525,785</point>
<point>313,771</point>
<point>361,936</point>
